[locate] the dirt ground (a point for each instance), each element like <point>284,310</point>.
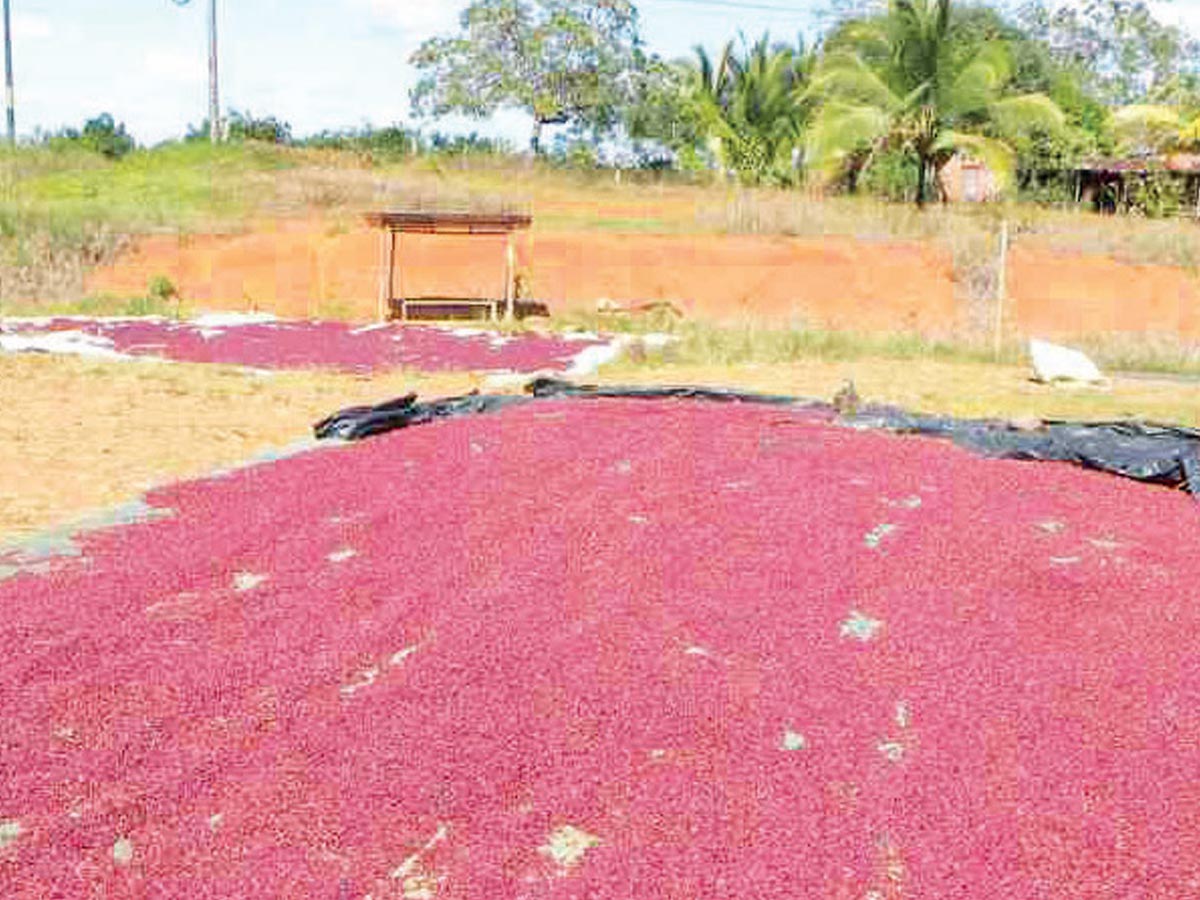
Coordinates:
<point>300,270</point>
<point>78,436</point>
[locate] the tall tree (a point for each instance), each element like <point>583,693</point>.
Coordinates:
<point>1144,129</point>
<point>560,61</point>
<point>911,80</point>
<point>1119,48</point>
<point>663,110</point>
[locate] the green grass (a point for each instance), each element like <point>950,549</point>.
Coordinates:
<point>64,210</point>
<point>177,186</point>
<point>755,344</point>
<point>97,305</point>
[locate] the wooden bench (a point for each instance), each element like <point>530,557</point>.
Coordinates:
<point>395,224</point>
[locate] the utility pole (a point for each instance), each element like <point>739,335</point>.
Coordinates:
<point>9,102</point>
<point>214,100</point>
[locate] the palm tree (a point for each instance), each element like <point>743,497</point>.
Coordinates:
<point>905,80</point>
<point>753,106</point>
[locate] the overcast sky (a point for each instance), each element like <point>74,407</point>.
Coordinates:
<point>314,63</point>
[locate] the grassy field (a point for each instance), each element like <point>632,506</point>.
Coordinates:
<point>730,347</point>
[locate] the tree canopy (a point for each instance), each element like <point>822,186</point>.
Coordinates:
<point>560,61</point>
<point>915,78</point>
<point>893,90</point>
<point>754,106</point>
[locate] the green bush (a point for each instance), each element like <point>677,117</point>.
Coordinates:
<point>162,289</point>
<point>893,175</point>
<point>1155,195</point>
<point>245,126</point>
<point>100,135</point>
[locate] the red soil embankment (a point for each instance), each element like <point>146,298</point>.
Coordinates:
<point>1056,293</point>
<point>302,269</point>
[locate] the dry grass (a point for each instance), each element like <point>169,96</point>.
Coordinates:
<point>957,388</point>
<point>703,343</point>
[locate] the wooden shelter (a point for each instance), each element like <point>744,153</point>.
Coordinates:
<point>1106,184</point>
<point>395,224</point>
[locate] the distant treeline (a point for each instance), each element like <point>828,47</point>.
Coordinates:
<point>109,138</point>
<point>890,99</point>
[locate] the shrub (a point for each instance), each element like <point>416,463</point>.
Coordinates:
<point>160,294</point>
<point>100,135</point>
<point>162,289</point>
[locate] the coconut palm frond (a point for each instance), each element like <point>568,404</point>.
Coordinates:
<point>1025,113</point>
<point>845,77</point>
<point>753,105</point>
<point>840,130</point>
<point>977,85</point>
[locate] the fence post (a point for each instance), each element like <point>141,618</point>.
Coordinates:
<point>1001,291</point>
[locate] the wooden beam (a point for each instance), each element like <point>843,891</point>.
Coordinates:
<point>392,267</point>
<point>510,277</point>
<point>382,308</point>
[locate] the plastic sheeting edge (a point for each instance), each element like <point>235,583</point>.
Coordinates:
<point>1147,452</point>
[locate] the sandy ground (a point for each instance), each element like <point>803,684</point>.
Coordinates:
<point>77,436</point>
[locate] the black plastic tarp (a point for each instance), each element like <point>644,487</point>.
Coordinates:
<point>357,422</point>
<point>1159,454</point>
<point>554,387</point>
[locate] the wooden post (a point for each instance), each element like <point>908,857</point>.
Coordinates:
<point>1001,290</point>
<point>392,267</point>
<point>382,310</point>
<point>529,257</point>
<point>510,272</point>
